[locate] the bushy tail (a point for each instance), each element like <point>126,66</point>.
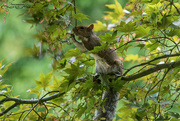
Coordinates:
<point>111,99</point>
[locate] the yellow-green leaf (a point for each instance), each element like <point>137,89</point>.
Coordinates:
<point>80,16</point>
<point>117,14</point>
<point>117,7</point>
<point>44,80</point>
<point>141,31</point>
<point>99,26</point>
<point>55,85</point>
<point>131,57</point>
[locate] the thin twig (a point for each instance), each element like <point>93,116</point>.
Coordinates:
<point>39,101</point>
<point>159,100</point>
<point>75,11</point>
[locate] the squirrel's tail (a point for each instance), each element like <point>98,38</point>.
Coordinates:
<point>111,99</point>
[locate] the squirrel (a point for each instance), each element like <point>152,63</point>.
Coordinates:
<point>106,62</point>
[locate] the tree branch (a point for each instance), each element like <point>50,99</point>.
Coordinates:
<point>157,58</point>
<point>19,101</point>
<point>151,70</point>
<point>8,109</point>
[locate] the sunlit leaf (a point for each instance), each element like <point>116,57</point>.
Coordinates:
<point>56,84</point>
<point>44,80</point>
<point>117,14</point>
<point>80,16</point>
<point>131,57</point>
<point>141,31</point>
<point>99,26</point>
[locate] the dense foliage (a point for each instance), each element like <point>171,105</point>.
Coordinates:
<point>146,37</point>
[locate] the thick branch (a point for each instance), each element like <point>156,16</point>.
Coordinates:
<point>8,109</point>
<point>148,62</point>
<point>151,70</point>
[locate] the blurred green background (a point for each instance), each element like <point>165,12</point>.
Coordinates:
<point>17,37</point>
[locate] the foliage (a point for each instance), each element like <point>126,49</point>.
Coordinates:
<point>149,88</point>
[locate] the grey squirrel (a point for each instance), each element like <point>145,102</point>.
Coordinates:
<point>106,62</point>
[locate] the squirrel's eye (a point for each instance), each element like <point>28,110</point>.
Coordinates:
<point>81,27</point>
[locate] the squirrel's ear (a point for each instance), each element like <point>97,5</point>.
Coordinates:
<point>91,26</point>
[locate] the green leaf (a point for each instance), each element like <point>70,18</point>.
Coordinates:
<point>118,85</point>
<point>52,28</point>
<point>117,14</point>
<point>73,71</point>
<point>140,45</point>
<point>31,21</point>
<point>99,26</point>
<point>131,57</point>
<point>133,105</point>
<point>174,32</point>
<point>3,68</point>
<point>38,5</point>
<point>164,102</point>
<point>123,93</point>
<point>165,21</point>
<point>89,63</point>
<point>141,31</point>
<point>64,86</point>
<point>146,1</point>
<point>80,16</point>
<point>90,104</point>
<point>146,105</point>
<point>35,91</point>
<point>154,1</point>
<point>153,45</point>
<point>107,37</point>
<point>174,114</point>
<point>118,8</point>
<point>99,48</point>
<point>140,113</point>
<point>129,27</point>
<point>73,52</point>
<point>44,80</point>
<point>135,13</point>
<point>80,112</point>
<point>89,83</point>
<point>153,18</point>
<point>114,34</point>
<point>62,63</point>
<point>55,85</point>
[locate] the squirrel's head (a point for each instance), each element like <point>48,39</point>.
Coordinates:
<point>84,30</point>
